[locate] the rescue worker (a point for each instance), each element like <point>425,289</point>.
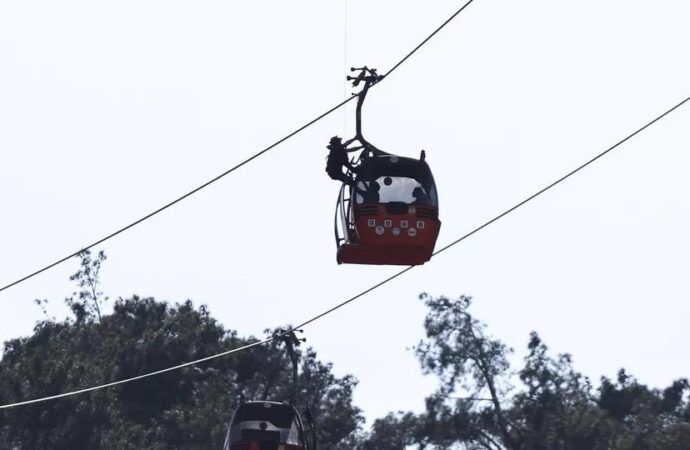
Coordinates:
<point>337,160</point>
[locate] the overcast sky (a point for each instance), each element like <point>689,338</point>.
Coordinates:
<point>110,109</point>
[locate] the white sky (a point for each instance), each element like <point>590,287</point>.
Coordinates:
<point>110,109</point>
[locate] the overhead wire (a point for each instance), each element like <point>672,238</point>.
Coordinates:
<point>421,44</point>
<point>138,377</point>
<point>177,200</point>
<point>232,169</point>
<point>564,177</point>
<point>366,291</point>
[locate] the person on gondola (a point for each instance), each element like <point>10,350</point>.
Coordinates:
<point>371,195</point>
<point>420,197</point>
<point>338,160</point>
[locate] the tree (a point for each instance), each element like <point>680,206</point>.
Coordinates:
<point>481,405</point>
<point>183,409</point>
<point>460,353</point>
<point>89,299</point>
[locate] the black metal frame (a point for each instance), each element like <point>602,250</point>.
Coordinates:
<point>370,78</point>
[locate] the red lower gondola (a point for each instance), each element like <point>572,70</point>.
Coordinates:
<point>378,237</point>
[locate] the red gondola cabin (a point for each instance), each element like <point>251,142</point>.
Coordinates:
<point>389,214</point>
<point>387,210</point>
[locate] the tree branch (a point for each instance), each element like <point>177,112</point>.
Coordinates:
<point>480,362</point>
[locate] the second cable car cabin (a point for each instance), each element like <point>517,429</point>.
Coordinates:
<point>387,210</point>
<point>266,426</point>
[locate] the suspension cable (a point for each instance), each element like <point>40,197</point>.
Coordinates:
<point>366,291</point>
<point>564,177</point>
<point>139,377</point>
<point>227,172</point>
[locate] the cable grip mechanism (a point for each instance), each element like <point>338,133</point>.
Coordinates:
<point>369,77</point>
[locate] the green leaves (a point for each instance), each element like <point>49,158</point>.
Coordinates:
<point>480,404</point>
<point>189,408</point>
<point>185,409</point>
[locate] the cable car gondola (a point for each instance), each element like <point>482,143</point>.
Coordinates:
<point>266,426</point>
<point>387,209</point>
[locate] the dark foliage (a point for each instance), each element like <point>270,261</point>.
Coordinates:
<point>550,406</point>
<point>183,409</point>
<point>481,402</point>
